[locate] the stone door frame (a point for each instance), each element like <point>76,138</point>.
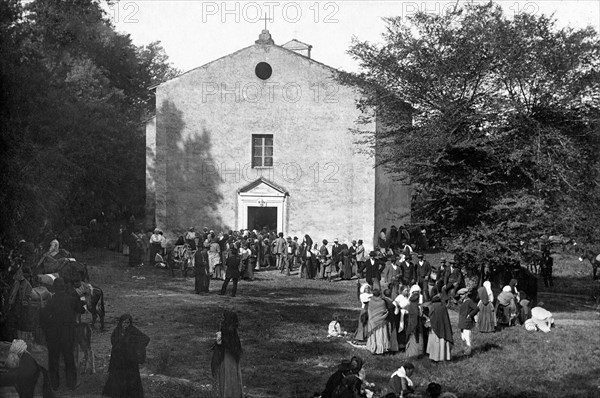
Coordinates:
<point>262,193</point>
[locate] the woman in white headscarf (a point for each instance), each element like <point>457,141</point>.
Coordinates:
<point>487,319</point>
<point>541,319</point>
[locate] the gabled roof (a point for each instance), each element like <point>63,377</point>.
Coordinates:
<point>244,49</point>
<point>260,181</point>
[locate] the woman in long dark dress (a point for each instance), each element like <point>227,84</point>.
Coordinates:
<point>487,318</point>
<point>414,327</point>
<point>346,264</point>
<point>202,271</point>
<point>225,363</point>
<point>440,340</point>
<point>128,351</point>
<point>308,258</point>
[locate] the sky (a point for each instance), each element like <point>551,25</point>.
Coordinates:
<point>195,32</point>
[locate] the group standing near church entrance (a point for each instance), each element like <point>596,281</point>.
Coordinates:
<point>238,254</point>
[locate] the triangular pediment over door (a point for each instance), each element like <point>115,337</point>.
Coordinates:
<point>262,194</point>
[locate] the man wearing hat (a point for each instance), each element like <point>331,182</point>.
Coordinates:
<point>436,277</point>
<point>392,274</point>
<point>423,275</point>
<point>361,256</point>
<point>266,253</point>
<point>280,251</point>
<point>372,268</point>
<point>409,272</point>
<point>58,320</point>
<point>466,317</point>
<point>335,253</point>
<point>352,254</point>
<point>453,280</point>
<point>323,254</point>
<point>288,261</point>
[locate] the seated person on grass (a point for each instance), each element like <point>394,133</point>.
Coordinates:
<point>350,367</point>
<point>400,382</point>
<point>541,319</point>
<point>434,390</point>
<point>335,329</point>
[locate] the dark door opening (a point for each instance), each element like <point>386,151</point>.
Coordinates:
<point>259,217</point>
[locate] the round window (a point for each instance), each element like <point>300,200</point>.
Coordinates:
<point>263,70</point>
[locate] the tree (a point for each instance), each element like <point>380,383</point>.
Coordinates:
<point>154,59</point>
<point>74,95</point>
<point>504,136</point>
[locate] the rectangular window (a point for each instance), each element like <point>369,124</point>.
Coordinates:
<point>262,151</point>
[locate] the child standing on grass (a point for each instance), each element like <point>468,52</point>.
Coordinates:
<point>466,317</point>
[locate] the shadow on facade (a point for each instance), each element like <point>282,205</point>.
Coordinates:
<point>192,183</point>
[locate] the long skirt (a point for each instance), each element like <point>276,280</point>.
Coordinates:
<point>437,348</point>
<point>214,259</point>
<point>229,378</point>
<point>311,267</point>
<point>487,318</point>
<point>362,329</point>
<point>219,272</point>
<point>378,341</point>
<point>155,248</point>
<point>414,348</point>
<point>346,269</point>
<point>393,335</point>
<point>202,282</point>
<point>124,383</point>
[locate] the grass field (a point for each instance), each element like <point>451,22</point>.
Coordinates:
<point>283,329</point>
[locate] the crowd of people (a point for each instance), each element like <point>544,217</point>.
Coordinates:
<point>412,320</point>
<point>215,254</point>
<point>408,325</point>
<point>404,304</point>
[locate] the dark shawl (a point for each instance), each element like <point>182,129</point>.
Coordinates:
<point>335,380</point>
<point>309,241</point>
<point>377,314</point>
<point>230,341</point>
<point>413,323</point>
<point>440,320</point>
<point>128,348</point>
<point>483,295</point>
<point>343,253</point>
<point>201,264</point>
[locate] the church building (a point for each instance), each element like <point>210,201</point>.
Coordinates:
<point>262,138</point>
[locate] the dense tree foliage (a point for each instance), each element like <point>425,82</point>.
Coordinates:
<point>74,95</point>
<point>504,141</point>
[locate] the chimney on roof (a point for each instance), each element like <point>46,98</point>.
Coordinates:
<point>264,38</point>
<point>299,47</point>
